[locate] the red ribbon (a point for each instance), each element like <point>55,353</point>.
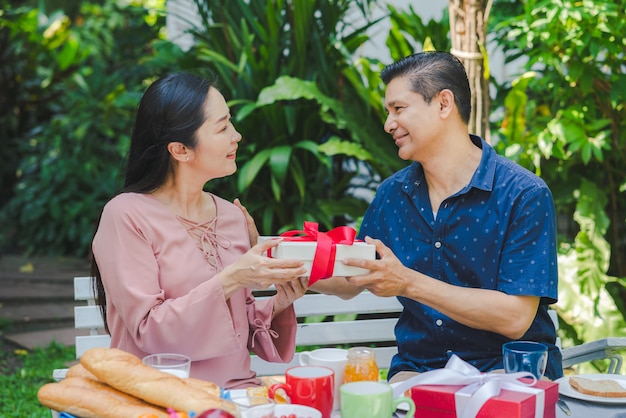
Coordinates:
<point>324,260</point>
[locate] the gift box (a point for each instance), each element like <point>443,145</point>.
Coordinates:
<point>323,252</point>
<point>459,390</point>
<point>439,401</point>
<point>305,251</point>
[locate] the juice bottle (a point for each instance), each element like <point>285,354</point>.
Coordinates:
<point>361,365</point>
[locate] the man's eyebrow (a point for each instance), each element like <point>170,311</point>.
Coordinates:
<point>392,104</point>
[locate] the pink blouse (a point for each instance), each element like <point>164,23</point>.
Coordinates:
<point>163,293</point>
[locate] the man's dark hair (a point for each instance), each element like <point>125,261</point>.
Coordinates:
<point>429,73</point>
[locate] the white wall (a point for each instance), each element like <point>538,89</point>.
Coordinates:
<point>181,15</point>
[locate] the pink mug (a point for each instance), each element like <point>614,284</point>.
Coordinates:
<point>309,385</point>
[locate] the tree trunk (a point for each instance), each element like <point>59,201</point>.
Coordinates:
<point>468,30</point>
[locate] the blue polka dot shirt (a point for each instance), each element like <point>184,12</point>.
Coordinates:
<point>498,232</point>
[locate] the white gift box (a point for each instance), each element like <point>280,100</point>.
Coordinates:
<point>305,251</point>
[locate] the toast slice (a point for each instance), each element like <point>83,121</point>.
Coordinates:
<point>606,388</point>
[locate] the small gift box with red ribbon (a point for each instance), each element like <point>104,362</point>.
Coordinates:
<point>322,252</point>
<point>461,391</point>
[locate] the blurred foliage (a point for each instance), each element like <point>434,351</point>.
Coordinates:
<point>566,120</point>
<point>309,111</point>
<point>408,32</point>
<point>70,89</point>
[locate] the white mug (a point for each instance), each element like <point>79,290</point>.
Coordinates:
<point>333,358</point>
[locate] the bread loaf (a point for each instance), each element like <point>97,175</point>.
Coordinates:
<point>77,370</point>
<point>607,388</point>
<point>208,387</point>
<point>89,399</point>
<point>128,374</point>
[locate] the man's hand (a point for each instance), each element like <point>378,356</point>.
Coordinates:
<point>252,229</point>
<point>387,276</point>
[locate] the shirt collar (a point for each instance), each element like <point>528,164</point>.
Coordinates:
<point>483,177</point>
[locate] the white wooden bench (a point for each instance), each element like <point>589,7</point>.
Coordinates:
<point>363,320</point>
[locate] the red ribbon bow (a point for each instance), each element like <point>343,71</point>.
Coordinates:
<point>324,260</point>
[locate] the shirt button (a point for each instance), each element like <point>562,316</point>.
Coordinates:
<point>437,244</point>
<point>449,352</point>
<point>439,322</point>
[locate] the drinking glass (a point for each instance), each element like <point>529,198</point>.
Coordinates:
<point>174,364</point>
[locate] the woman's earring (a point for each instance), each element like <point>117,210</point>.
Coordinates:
<point>187,159</point>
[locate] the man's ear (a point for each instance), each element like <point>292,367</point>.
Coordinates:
<point>446,102</point>
<point>178,151</point>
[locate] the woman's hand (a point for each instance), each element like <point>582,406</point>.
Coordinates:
<point>253,232</point>
<point>288,292</point>
<point>257,271</point>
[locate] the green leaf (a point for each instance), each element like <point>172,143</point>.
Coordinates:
<point>249,171</point>
<point>290,88</point>
<point>335,146</point>
<point>279,163</point>
<point>298,177</point>
<point>67,56</point>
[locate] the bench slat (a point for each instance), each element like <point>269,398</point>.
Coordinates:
<point>83,289</point>
<point>347,332</point>
<point>365,302</point>
<point>86,317</point>
<point>84,343</point>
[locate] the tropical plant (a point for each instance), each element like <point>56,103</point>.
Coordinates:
<point>310,113</point>
<point>566,120</point>
<point>408,31</point>
<point>84,77</point>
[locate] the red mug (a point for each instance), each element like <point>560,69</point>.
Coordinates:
<point>309,385</point>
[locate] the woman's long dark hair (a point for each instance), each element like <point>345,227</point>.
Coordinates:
<point>171,110</point>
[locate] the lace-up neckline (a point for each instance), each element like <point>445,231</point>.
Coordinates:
<point>207,239</point>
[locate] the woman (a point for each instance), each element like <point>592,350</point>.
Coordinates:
<point>174,264</point>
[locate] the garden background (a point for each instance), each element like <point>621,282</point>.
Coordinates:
<point>308,102</point>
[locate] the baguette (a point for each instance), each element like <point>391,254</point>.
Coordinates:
<point>208,387</point>
<point>89,399</point>
<point>77,370</point>
<point>606,388</point>
<point>128,374</point>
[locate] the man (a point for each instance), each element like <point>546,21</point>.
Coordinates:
<point>466,238</point>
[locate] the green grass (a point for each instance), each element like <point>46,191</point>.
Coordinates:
<point>23,372</point>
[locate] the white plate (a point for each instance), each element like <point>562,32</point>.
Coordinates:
<point>301,411</point>
<point>566,389</point>
<point>234,393</point>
